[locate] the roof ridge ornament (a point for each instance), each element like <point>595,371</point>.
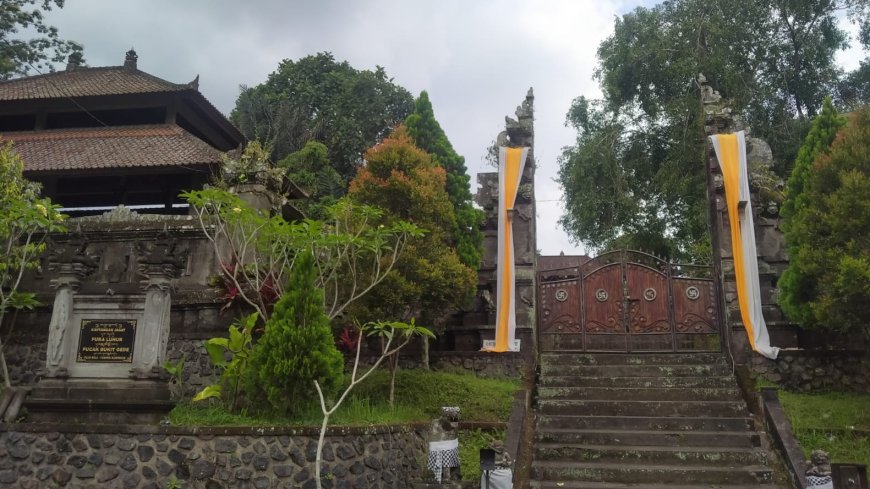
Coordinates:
<point>194,84</point>
<point>74,61</point>
<point>130,59</point>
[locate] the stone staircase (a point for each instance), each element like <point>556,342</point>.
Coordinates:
<point>611,421</point>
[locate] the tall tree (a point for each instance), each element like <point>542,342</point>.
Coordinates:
<point>428,136</point>
<point>827,283</point>
<point>23,56</point>
<point>636,165</point>
<point>309,168</point>
<point>317,98</point>
<point>429,281</point>
<point>822,133</point>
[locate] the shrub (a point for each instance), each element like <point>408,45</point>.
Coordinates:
<point>296,349</point>
<point>827,284</point>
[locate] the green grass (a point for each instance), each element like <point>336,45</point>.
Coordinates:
<point>419,397</point>
<point>470,443</point>
<point>829,421</point>
<point>835,410</point>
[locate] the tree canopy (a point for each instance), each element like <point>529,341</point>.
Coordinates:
<point>22,56</point>
<point>428,136</point>
<point>827,283</point>
<point>636,168</point>
<point>429,281</point>
<point>317,98</point>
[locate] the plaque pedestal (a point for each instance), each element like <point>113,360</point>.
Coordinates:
<point>112,401</point>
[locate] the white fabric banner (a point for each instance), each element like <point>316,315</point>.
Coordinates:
<point>731,153</point>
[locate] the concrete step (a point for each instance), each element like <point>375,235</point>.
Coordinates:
<point>710,439</point>
<point>651,455</point>
<point>641,393</point>
<point>547,422</point>
<point>723,409</point>
<point>650,474</point>
<point>684,382</point>
<point>618,485</point>
<point>633,359</point>
<point>671,370</point>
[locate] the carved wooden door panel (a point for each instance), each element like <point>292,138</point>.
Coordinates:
<point>560,323</point>
<point>695,318</point>
<point>604,314</point>
<point>647,300</point>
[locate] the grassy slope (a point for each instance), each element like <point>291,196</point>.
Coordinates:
<point>827,421</point>
<point>419,397</point>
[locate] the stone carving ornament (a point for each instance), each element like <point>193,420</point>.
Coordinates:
<point>71,264</point>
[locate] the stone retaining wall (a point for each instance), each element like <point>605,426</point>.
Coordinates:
<point>811,370</point>
<point>26,355</point>
<point>113,457</point>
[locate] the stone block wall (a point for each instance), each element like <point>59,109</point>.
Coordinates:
<point>26,356</point>
<point>113,457</point>
<point>808,370</point>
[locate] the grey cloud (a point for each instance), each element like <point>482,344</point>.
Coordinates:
<point>460,51</point>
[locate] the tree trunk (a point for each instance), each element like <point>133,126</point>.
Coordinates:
<point>5,370</point>
<point>394,367</point>
<point>424,361</point>
<point>318,460</point>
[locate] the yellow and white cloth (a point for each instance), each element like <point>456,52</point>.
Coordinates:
<point>731,153</point>
<point>511,163</point>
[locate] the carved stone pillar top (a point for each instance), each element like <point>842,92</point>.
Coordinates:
<point>160,261</point>
<point>520,131</point>
<point>70,262</point>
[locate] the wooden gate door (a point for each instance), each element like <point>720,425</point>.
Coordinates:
<point>627,301</point>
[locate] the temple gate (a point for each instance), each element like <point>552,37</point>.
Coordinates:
<point>627,301</point>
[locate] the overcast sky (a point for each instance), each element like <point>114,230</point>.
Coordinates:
<point>476,58</point>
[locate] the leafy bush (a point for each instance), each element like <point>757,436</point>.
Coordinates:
<point>296,349</point>
<point>827,284</point>
<point>230,355</point>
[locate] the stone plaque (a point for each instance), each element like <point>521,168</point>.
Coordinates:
<point>106,341</point>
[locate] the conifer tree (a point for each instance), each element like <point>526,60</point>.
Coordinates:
<point>428,136</point>
<point>796,284</point>
<point>296,349</point>
<point>818,140</point>
<point>827,283</point>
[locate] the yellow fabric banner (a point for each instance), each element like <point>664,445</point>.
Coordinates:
<point>510,170</point>
<point>731,152</point>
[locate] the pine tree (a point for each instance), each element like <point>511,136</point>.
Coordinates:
<point>818,140</point>
<point>797,285</point>
<point>296,349</point>
<point>827,283</point>
<point>428,136</point>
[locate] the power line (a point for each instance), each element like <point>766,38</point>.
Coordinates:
<point>59,89</point>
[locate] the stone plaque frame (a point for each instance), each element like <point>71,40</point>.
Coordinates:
<point>103,309</point>
<point>106,341</point>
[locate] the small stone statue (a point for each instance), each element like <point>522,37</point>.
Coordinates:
<point>819,471</point>
<point>444,446</point>
<point>502,476</point>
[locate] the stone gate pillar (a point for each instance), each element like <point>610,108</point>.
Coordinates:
<point>160,264</point>
<point>770,243</point>
<point>518,132</point>
<point>72,265</point>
